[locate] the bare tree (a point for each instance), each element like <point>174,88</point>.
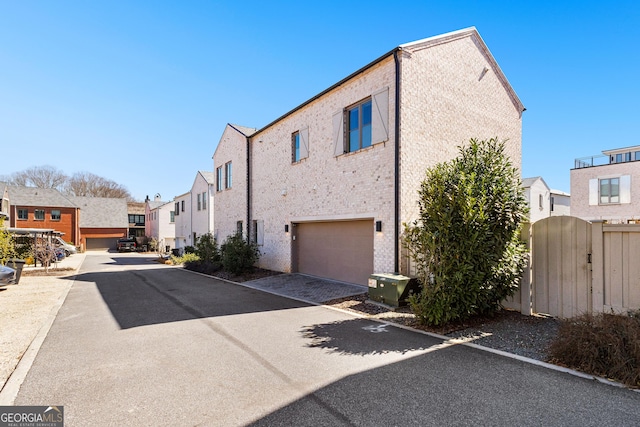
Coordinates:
<point>39,176</point>
<point>91,185</point>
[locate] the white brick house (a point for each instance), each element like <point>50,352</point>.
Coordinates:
<point>607,187</point>
<point>202,192</point>
<point>538,196</point>
<point>160,223</point>
<point>325,188</point>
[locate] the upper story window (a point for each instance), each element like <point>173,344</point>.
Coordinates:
<point>295,147</point>
<point>182,205</point>
<point>219,179</point>
<point>204,201</point>
<point>55,215</point>
<point>172,216</point>
<point>177,208</point>
<point>227,175</point>
<point>359,125</point>
<point>39,214</point>
<point>362,124</point>
<point>553,201</point>
<point>199,201</point>
<point>23,214</point>
<point>541,201</point>
<point>136,219</point>
<point>609,191</point>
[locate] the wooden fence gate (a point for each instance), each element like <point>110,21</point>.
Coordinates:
<point>561,266</point>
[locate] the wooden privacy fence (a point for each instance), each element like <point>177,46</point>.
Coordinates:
<point>579,267</point>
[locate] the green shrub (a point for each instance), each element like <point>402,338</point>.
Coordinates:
<point>238,255</point>
<point>189,250</point>
<point>466,243</point>
<point>7,244</point>
<point>606,345</point>
<point>207,249</point>
<point>187,257</point>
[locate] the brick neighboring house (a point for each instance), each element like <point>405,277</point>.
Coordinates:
<point>33,207</point>
<point>325,188</point>
<point>136,215</point>
<point>160,223</point>
<point>102,221</point>
<point>607,187</point>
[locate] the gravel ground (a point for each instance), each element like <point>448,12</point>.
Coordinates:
<point>24,309</point>
<point>509,331</point>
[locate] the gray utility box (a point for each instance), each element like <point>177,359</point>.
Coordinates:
<point>392,289</point>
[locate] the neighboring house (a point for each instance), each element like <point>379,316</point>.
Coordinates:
<point>560,203</point>
<point>4,201</point>
<point>325,188</point>
<point>102,222</point>
<point>33,207</point>
<point>607,187</point>
<point>194,211</point>
<point>202,192</point>
<point>182,209</point>
<point>160,223</point>
<point>135,213</point>
<point>537,193</point>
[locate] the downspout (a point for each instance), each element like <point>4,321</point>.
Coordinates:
<point>396,219</point>
<point>248,228</point>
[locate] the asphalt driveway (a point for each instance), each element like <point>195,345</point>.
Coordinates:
<point>137,343</point>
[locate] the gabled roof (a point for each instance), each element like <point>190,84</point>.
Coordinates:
<point>155,204</point>
<point>412,46</point>
<point>33,196</point>
<point>102,212</point>
<point>209,177</point>
<point>528,182</point>
<point>246,131</point>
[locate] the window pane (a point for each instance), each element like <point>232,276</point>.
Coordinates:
<point>615,187</point>
<point>366,113</point>
<point>354,144</point>
<point>604,187</point>
<point>353,119</point>
<point>366,135</point>
<point>637,155</point>
<point>618,158</point>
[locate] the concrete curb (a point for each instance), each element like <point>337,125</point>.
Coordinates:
<point>446,339</point>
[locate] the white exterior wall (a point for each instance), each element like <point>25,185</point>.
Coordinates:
<point>613,213</point>
<point>201,219</point>
<point>166,228</point>
<point>323,187</point>
<point>183,235</point>
<point>230,205</point>
<point>561,204</point>
<point>533,194</point>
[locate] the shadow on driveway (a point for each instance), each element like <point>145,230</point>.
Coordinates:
<point>153,296</point>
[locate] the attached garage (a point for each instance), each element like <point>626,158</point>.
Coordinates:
<point>339,250</point>
<point>101,243</point>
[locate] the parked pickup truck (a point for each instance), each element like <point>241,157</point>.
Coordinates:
<point>127,244</point>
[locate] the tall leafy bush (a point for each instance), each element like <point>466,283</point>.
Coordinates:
<point>466,241</point>
<point>238,254</point>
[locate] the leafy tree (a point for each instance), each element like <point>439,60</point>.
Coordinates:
<point>466,242</point>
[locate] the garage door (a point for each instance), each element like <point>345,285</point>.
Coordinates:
<point>341,250</point>
<point>101,244</point>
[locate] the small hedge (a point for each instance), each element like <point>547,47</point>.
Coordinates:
<point>606,345</point>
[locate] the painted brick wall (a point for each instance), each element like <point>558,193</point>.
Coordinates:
<point>614,213</point>
<point>230,205</point>
<point>322,186</point>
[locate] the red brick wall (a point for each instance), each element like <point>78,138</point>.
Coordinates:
<point>67,224</point>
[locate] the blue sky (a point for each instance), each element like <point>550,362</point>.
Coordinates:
<point>139,92</point>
